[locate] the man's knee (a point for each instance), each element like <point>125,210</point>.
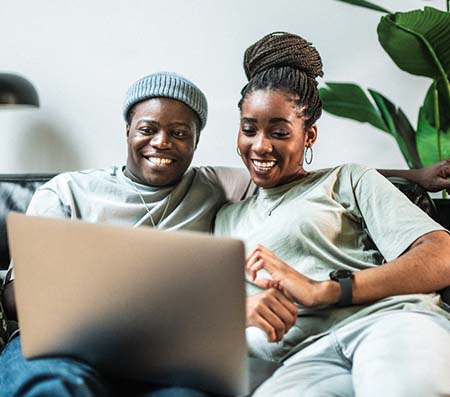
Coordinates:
<point>48,377</point>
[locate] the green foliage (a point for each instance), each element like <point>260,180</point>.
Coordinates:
<point>419,43</point>
<point>433,142</point>
<point>350,101</point>
<point>366,4</point>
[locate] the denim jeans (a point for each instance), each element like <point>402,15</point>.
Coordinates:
<point>64,377</point>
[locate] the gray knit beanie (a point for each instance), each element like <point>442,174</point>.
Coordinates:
<point>168,85</point>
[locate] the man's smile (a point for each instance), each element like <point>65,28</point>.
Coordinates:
<point>159,161</point>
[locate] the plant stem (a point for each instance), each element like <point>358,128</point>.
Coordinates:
<point>437,123</point>
<point>448,5</point>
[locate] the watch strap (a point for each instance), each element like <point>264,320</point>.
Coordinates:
<point>345,298</point>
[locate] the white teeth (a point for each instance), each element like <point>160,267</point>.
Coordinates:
<point>264,164</point>
<point>160,161</point>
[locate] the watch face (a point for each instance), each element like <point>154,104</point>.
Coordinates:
<point>336,275</point>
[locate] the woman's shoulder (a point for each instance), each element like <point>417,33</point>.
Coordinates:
<point>350,169</point>
<point>350,172</point>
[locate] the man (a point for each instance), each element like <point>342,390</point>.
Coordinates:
<point>165,114</point>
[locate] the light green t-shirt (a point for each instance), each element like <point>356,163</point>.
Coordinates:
<point>106,195</point>
<point>348,217</point>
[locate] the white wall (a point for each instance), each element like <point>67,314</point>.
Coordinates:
<point>82,56</point>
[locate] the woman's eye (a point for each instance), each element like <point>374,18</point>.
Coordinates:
<point>280,134</point>
<point>248,130</point>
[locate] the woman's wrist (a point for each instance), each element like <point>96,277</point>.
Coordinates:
<point>328,293</point>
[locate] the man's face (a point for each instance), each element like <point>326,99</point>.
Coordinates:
<point>161,140</point>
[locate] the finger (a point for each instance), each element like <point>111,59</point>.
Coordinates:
<point>252,252</point>
<point>253,270</point>
<point>274,320</point>
<point>267,283</point>
<point>259,261</point>
<point>263,324</point>
<point>444,183</point>
<point>252,259</point>
<point>284,314</point>
<point>287,303</point>
<point>257,250</point>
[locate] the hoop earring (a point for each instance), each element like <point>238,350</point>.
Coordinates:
<point>309,151</point>
<point>238,152</point>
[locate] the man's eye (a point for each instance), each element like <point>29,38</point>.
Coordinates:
<point>146,130</point>
<point>180,133</point>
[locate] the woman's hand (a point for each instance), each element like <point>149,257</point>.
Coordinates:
<point>272,312</point>
<point>293,284</point>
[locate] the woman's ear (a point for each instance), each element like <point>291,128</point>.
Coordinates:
<point>311,135</point>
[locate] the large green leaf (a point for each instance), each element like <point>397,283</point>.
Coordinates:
<point>428,139</point>
<point>419,43</point>
<point>429,106</point>
<point>350,101</point>
<point>366,4</point>
<point>399,127</point>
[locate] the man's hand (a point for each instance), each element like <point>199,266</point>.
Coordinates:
<point>436,177</point>
<point>433,178</point>
<point>272,312</point>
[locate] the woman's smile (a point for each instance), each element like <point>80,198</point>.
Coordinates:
<point>263,166</point>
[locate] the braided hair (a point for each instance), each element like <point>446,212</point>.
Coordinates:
<point>289,63</point>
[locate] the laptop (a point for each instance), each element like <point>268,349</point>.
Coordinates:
<point>156,306</point>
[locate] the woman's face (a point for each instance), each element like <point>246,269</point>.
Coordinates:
<point>161,141</point>
<point>272,138</point>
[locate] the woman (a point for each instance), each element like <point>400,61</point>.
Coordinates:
<point>319,301</point>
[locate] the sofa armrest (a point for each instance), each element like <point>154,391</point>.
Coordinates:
<point>16,191</point>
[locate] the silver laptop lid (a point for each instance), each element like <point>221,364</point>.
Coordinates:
<point>141,303</point>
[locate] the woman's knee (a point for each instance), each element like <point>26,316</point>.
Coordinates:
<point>408,353</point>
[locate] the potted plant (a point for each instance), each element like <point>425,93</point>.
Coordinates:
<point>418,42</point>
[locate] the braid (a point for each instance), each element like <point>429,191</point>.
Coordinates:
<point>286,62</point>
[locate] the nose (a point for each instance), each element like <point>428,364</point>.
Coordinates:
<point>262,144</point>
<point>161,140</point>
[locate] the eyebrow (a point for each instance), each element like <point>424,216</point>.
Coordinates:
<point>272,120</point>
<point>181,123</point>
<point>279,119</point>
<point>152,121</point>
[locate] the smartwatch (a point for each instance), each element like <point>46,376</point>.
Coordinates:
<point>344,278</point>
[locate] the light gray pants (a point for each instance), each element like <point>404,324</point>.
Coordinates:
<point>390,354</point>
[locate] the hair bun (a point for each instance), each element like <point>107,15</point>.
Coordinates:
<point>280,49</point>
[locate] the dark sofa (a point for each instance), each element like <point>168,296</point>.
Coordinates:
<point>16,191</point>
